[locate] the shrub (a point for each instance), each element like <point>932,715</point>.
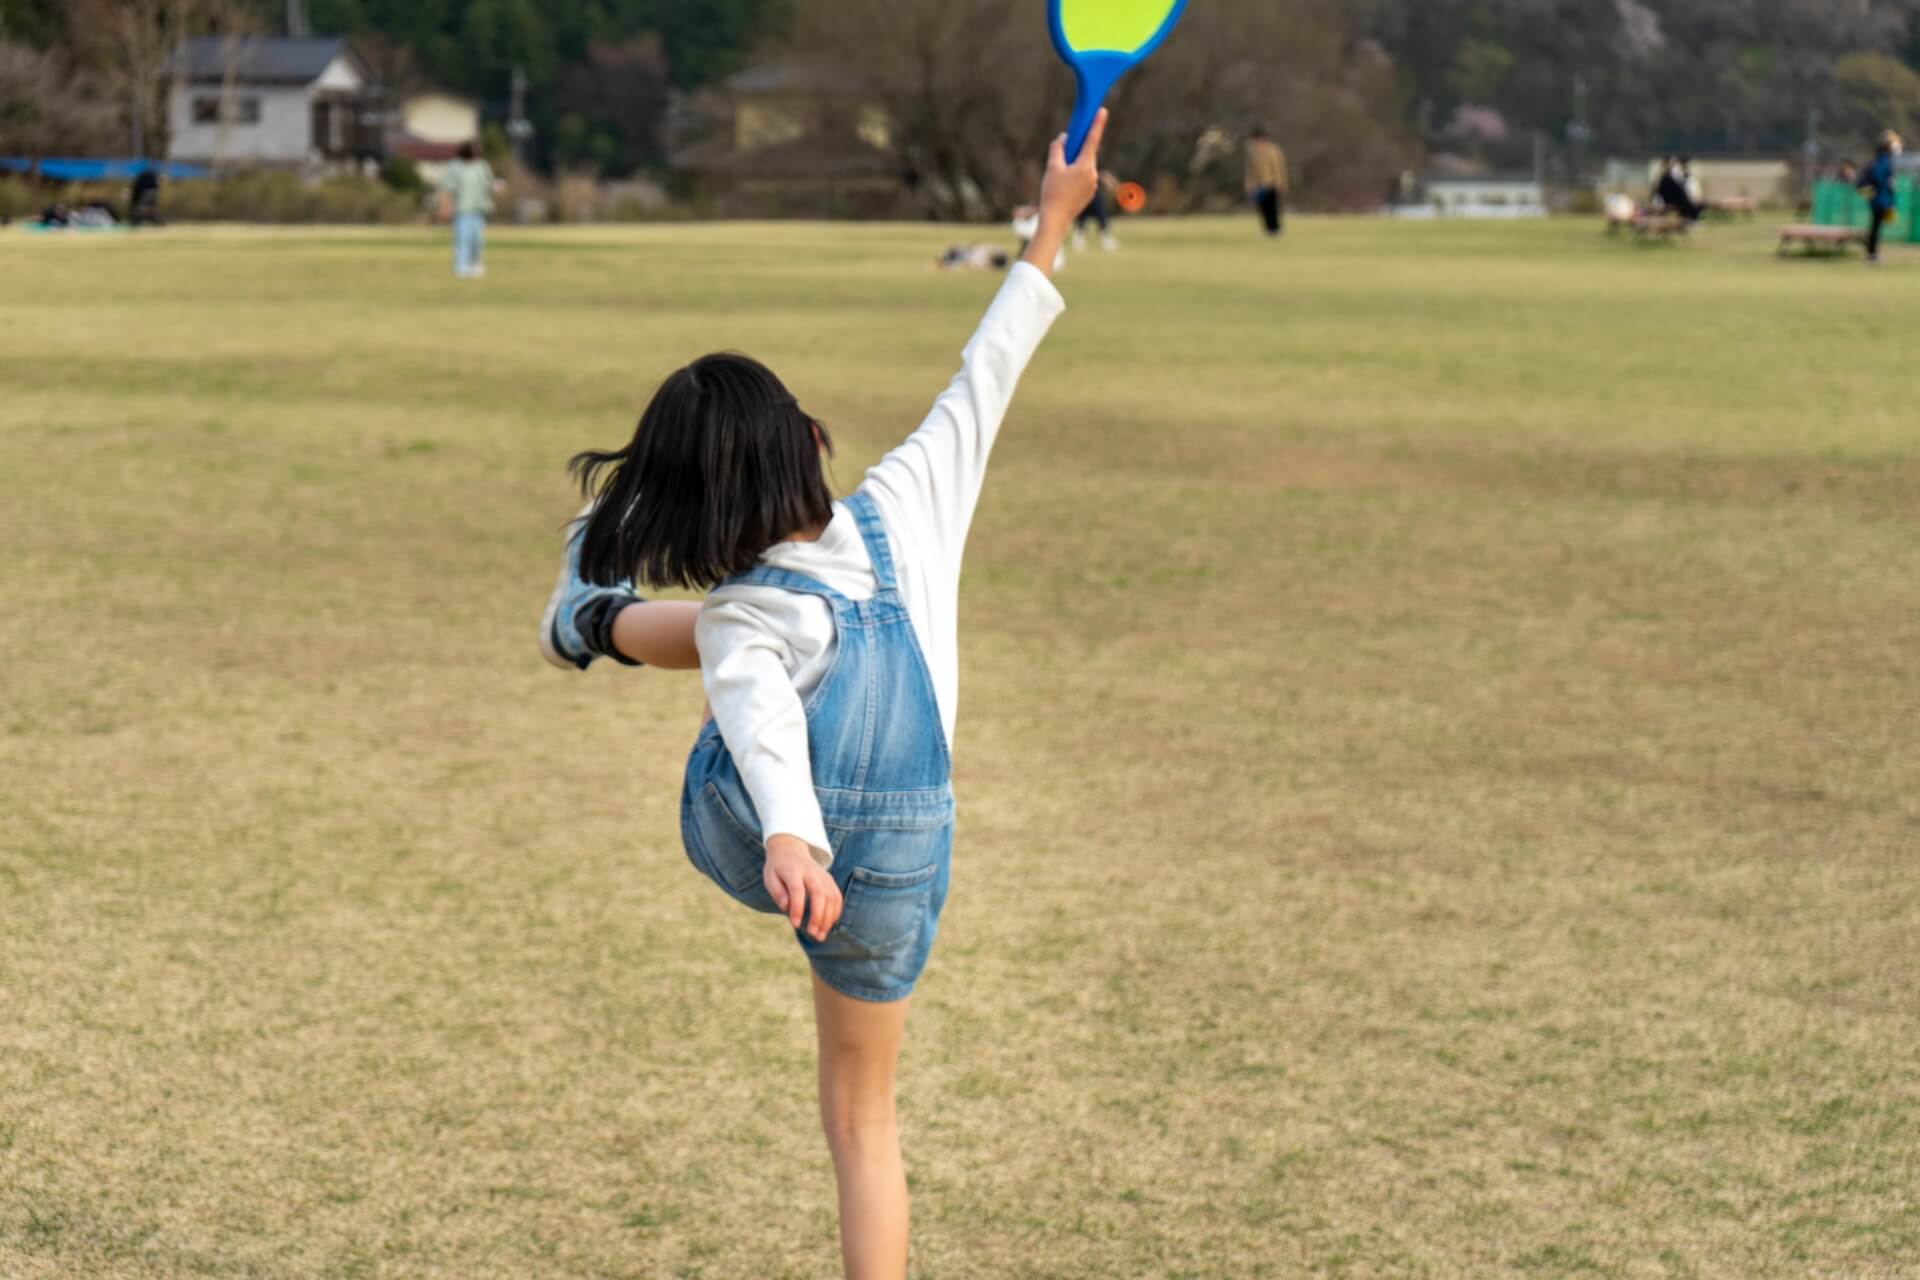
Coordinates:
<point>18,200</point>
<point>402,174</point>
<point>286,198</point>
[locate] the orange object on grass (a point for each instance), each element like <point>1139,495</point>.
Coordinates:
<point>1132,197</point>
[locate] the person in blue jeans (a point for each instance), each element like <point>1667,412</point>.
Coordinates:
<point>467,189</point>
<point>1876,183</point>
<point>818,787</point>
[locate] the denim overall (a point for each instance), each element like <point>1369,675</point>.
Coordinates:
<point>880,768</point>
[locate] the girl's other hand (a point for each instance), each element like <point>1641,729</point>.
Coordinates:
<point>801,887</point>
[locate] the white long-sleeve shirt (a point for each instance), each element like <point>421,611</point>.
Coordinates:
<point>763,650</point>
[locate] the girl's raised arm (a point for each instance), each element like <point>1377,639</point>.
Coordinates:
<point>930,485</point>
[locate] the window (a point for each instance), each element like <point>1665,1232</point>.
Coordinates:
<point>239,110</point>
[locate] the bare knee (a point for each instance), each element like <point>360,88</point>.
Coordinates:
<point>855,1123</point>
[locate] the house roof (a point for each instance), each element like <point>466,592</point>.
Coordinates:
<point>797,76</point>
<point>259,60</point>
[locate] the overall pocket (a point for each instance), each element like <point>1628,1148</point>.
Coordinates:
<point>735,857</point>
<point>885,911</point>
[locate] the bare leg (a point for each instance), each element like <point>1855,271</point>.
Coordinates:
<point>659,633</point>
<point>859,1048</point>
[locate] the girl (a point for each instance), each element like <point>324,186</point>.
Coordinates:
<point>818,789</point>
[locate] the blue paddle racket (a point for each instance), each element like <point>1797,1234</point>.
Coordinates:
<point>1102,40</point>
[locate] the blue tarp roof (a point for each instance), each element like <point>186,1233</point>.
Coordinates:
<point>91,170</point>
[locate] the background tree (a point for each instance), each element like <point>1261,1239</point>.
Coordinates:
<point>1289,65</point>
<point>1879,93</point>
<point>972,86</point>
<point>976,93</point>
<point>129,42</point>
<point>47,108</point>
<point>613,107</point>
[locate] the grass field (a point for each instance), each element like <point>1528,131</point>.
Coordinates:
<point>1439,766</point>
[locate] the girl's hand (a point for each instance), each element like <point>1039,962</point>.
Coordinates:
<point>801,887</point>
<point>1066,190</point>
<point>1069,188</point>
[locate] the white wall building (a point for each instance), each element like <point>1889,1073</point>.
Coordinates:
<point>294,103</point>
<point>1490,197</point>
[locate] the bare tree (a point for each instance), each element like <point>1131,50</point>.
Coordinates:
<point>976,94</point>
<point>1286,64</point>
<point>972,86</point>
<point>133,39</point>
<point>49,108</point>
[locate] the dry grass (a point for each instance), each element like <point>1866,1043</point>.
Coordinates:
<point>1439,775</point>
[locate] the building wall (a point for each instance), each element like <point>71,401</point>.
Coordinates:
<point>283,136</point>
<point>1489,199</point>
<point>1767,181</point>
<point>769,121</point>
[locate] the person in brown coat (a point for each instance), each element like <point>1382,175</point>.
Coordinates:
<point>1267,179</point>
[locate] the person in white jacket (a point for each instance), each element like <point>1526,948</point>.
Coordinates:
<point>827,643</point>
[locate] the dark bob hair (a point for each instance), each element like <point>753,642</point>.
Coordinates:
<point>723,465</point>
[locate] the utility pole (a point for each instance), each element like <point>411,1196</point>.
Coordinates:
<point>1811,148</point>
<point>519,128</point>
<point>1579,133</point>
<point>297,18</point>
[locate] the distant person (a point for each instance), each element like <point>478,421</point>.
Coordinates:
<point>829,653</point>
<point>974,257</point>
<point>1695,188</point>
<point>1657,184</point>
<point>1096,211</point>
<point>1026,225</point>
<point>1672,193</point>
<point>1876,184</point>
<point>1267,179</point>
<point>143,204</point>
<point>466,198</point>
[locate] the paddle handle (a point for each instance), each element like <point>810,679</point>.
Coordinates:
<point>1084,111</point>
<point>1096,74</point>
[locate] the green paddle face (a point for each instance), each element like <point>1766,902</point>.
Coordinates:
<point>1100,40</point>
<point>1113,26</point>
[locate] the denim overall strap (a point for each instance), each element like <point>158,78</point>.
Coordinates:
<point>766,575</point>
<point>874,534</point>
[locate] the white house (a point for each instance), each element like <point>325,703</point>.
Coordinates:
<point>300,103</point>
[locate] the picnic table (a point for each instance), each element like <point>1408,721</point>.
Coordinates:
<point>1820,240</point>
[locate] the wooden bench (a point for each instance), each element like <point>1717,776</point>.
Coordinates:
<point>1820,240</point>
